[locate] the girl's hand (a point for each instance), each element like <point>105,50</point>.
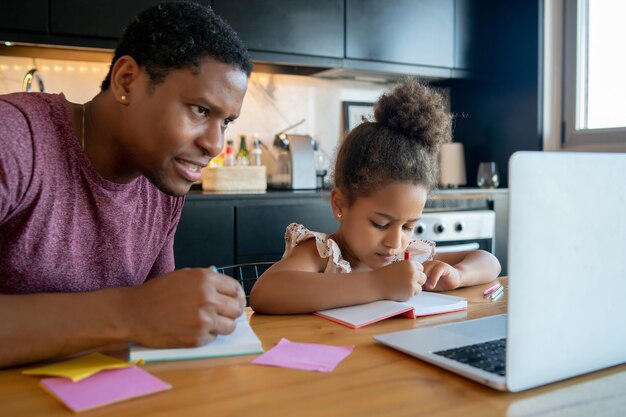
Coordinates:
<point>400,280</point>
<point>441,276</point>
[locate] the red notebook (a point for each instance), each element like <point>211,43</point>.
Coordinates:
<point>423,304</point>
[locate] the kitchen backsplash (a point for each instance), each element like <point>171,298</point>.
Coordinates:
<point>272,103</point>
<point>79,81</point>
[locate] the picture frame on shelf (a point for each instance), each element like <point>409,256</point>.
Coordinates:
<point>354,112</point>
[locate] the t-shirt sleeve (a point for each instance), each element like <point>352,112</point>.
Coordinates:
<point>16,159</point>
<point>165,260</point>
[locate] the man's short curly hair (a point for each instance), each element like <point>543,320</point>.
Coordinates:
<point>179,34</point>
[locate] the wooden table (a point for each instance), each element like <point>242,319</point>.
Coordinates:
<point>373,381</point>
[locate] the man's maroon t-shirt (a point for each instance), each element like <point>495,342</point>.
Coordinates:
<point>64,228</point>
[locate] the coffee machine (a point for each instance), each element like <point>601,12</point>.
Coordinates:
<point>293,165</point>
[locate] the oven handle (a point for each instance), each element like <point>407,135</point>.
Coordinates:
<point>457,248</point>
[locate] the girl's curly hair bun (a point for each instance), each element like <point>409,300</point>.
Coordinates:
<point>416,112</point>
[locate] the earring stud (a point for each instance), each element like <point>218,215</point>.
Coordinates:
<point>123,98</point>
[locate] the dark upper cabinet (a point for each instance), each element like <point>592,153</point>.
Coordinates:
<point>29,15</point>
<point>462,34</point>
<point>472,21</point>
<point>301,27</point>
<point>414,32</point>
<point>93,23</point>
<point>94,18</point>
<point>424,37</point>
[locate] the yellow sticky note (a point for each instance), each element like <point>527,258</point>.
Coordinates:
<point>80,368</point>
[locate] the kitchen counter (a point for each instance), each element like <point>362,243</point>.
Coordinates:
<point>470,191</point>
<point>446,199</point>
<point>196,194</point>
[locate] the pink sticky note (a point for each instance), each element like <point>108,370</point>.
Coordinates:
<point>106,387</point>
<point>304,356</point>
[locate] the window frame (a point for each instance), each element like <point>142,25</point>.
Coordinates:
<point>574,11</point>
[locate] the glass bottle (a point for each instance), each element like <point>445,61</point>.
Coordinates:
<point>243,157</point>
<point>257,153</point>
<point>229,156</point>
<point>218,161</point>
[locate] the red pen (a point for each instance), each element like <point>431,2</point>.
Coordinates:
<point>407,255</point>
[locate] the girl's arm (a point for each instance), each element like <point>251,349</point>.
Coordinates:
<point>460,269</point>
<point>297,284</point>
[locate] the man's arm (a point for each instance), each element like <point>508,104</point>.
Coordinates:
<point>181,309</point>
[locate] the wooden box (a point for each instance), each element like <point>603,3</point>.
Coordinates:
<point>235,178</point>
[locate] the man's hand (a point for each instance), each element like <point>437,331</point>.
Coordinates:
<point>187,307</point>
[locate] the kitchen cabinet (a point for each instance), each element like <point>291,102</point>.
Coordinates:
<point>222,229</point>
<point>340,38</point>
<point>95,23</point>
<point>205,235</point>
<point>28,16</point>
<point>415,32</point>
<point>500,106</point>
<point>99,19</point>
<point>298,27</point>
<point>260,229</point>
<point>464,29</point>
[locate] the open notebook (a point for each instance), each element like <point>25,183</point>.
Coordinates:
<point>243,341</point>
<point>423,304</point>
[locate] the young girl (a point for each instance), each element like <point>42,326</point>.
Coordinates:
<point>383,172</point>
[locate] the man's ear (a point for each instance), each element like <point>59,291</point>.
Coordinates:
<point>124,75</point>
<point>338,202</point>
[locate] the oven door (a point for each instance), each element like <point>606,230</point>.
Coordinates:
<point>465,245</point>
<point>456,231</point>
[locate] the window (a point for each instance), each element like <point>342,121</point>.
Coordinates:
<point>594,91</point>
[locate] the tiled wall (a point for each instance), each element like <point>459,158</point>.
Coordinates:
<point>272,103</point>
<point>79,81</point>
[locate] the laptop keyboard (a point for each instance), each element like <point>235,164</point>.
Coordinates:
<point>488,356</point>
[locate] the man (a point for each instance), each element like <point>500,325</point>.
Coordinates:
<point>91,194</point>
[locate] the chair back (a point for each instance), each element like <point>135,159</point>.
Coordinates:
<point>246,274</point>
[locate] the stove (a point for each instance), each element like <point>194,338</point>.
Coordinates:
<point>458,230</point>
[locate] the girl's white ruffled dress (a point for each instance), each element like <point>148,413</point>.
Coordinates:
<point>420,250</point>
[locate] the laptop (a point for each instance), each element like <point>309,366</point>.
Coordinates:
<point>567,280</point>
